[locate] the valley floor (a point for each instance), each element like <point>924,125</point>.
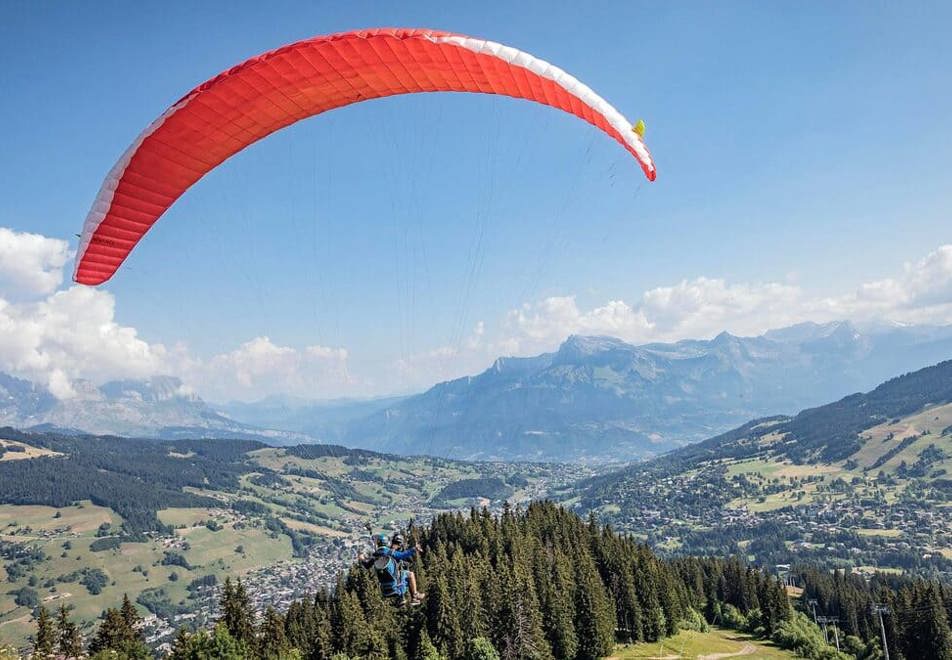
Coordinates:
<point>290,522</point>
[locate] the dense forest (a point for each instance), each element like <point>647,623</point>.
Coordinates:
<point>136,478</point>
<point>112,472</point>
<point>915,613</point>
<point>492,488</point>
<point>542,583</point>
<point>539,583</point>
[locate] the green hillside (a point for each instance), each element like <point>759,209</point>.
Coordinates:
<point>861,484</point>
<point>84,520</point>
<point>714,644</point>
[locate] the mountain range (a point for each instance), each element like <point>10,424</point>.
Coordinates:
<point>600,398</point>
<point>160,407</point>
<point>595,398</point>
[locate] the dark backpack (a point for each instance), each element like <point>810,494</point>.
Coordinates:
<point>387,571</point>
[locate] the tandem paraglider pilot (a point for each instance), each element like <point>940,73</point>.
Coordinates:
<point>388,562</point>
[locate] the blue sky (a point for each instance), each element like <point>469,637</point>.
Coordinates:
<point>802,144</point>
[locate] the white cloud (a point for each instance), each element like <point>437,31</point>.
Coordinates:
<point>30,264</point>
<point>57,336</point>
<point>542,325</point>
<point>72,334</point>
<point>921,294</point>
<point>704,306</point>
<point>421,370</point>
<point>259,368</point>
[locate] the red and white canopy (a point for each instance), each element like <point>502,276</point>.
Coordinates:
<point>266,93</point>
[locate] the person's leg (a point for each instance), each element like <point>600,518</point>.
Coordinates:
<point>413,590</point>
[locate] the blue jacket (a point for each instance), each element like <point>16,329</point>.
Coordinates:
<point>396,555</point>
<point>400,555</point>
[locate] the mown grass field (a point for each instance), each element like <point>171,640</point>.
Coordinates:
<point>928,424</point>
<point>132,567</point>
<point>21,451</point>
<point>784,472</point>
<point>25,521</point>
<point>711,645</point>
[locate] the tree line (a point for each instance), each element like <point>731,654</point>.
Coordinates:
<point>915,612</point>
<point>534,583</point>
<point>114,472</point>
<point>543,583</point>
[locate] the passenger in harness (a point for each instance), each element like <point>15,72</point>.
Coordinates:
<point>388,563</point>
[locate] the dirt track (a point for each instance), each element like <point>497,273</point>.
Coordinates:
<point>748,649</point>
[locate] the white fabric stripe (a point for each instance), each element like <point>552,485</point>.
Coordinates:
<point>104,197</point>
<point>573,85</point>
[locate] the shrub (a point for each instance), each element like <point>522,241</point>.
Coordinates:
<point>805,638</point>
<point>693,621</point>
<point>27,597</point>
<point>480,648</point>
<point>94,580</point>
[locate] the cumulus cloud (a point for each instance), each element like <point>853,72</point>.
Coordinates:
<point>72,334</point>
<point>703,307</point>
<point>30,264</point>
<point>58,336</point>
<point>260,367</point>
<point>706,306</point>
<point>921,294</point>
<point>541,325</point>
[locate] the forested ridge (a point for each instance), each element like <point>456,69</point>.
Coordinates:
<point>830,432</point>
<point>823,434</point>
<point>915,612</point>
<point>136,477</point>
<point>535,584</point>
<point>542,583</point>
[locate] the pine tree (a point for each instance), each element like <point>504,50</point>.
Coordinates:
<point>471,594</point>
<point>201,645</point>
<point>130,615</point>
<point>443,624</point>
<point>654,624</point>
<point>555,595</point>
<point>110,633</point>
<point>349,626</point>
<point>519,620</point>
<point>928,634</point>
<point>480,648</point>
<point>45,635</point>
<point>272,641</point>
<point>116,634</point>
<point>308,628</point>
<point>426,650</point>
<point>594,618</point>
<point>381,626</point>
<point>180,645</point>
<point>236,612</point>
<point>68,642</point>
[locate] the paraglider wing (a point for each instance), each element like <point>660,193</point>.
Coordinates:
<point>266,93</point>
